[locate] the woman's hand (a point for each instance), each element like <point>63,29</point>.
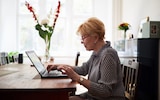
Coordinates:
<point>69,71</point>
<point>65,69</point>
<point>52,67</point>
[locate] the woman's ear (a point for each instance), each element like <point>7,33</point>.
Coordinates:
<point>96,39</point>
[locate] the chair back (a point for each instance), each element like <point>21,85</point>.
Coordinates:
<point>130,72</point>
<point>77,58</point>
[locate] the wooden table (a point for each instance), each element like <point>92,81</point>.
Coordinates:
<point>22,82</point>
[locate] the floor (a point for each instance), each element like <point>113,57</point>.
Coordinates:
<point>80,89</point>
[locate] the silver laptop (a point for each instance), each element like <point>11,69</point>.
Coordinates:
<point>41,69</point>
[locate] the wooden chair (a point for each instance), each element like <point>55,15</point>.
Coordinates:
<point>130,72</point>
<point>77,58</point>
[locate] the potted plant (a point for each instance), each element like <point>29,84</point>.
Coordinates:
<point>13,56</point>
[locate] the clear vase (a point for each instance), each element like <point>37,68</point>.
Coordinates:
<point>47,48</point>
<point>46,55</point>
<point>125,34</point>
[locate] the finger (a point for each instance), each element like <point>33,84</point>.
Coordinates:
<point>62,69</point>
<point>67,70</point>
<point>50,67</point>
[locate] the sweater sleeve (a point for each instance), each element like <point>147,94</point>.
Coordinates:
<point>82,70</point>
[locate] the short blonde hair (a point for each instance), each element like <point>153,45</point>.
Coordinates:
<point>92,26</point>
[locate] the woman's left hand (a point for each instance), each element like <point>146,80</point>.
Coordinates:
<point>69,71</point>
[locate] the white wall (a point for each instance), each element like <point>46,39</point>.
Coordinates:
<point>0,21</point>
<point>103,10</point>
<point>134,11</point>
<point>8,24</point>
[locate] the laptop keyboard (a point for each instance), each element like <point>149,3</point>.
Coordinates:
<point>51,73</point>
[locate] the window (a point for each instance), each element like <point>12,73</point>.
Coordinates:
<point>64,39</point>
<point>18,26</point>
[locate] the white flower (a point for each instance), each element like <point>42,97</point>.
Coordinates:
<point>44,21</point>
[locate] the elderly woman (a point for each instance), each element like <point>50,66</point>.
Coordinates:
<point>103,68</point>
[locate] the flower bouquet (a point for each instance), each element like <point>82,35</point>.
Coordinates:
<point>45,28</point>
<point>125,27</point>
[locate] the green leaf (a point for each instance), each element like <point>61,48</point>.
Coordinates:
<point>38,27</point>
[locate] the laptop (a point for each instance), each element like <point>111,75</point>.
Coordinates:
<point>41,69</point>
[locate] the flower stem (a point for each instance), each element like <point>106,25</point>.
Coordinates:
<point>125,34</point>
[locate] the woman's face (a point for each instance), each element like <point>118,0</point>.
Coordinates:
<point>88,41</point>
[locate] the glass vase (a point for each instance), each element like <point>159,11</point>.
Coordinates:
<point>47,48</point>
<point>125,34</point>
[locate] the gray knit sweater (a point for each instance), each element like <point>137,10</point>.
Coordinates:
<point>104,72</point>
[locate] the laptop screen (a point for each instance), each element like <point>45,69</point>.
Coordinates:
<point>35,60</point>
